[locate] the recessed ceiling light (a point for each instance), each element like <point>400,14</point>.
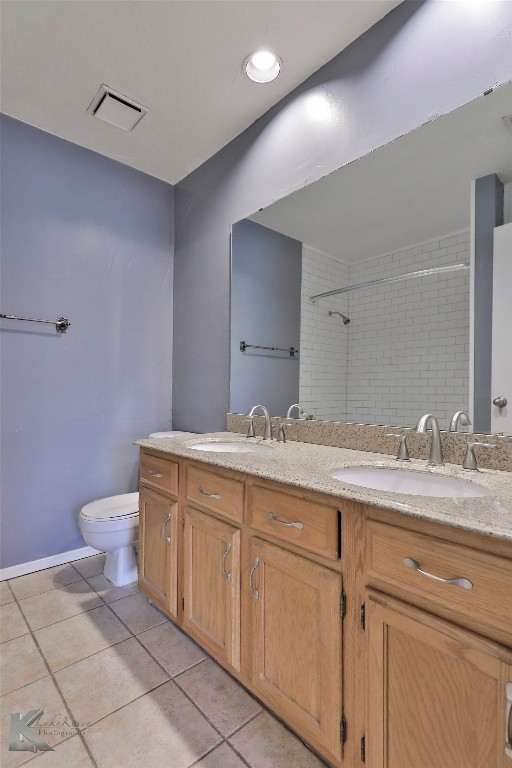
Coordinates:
<point>262,66</point>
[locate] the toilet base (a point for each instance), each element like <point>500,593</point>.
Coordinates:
<point>121,566</point>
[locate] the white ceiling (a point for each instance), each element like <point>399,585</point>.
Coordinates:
<point>413,189</point>
<point>181,58</point>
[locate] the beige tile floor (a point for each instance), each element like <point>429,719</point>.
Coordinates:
<point>120,685</point>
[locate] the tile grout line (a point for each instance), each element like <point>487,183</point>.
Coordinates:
<point>217,746</point>
<point>39,754</point>
<point>170,677</point>
<point>59,586</point>
<point>232,746</point>
<point>59,589</point>
<point>123,706</point>
<point>250,719</point>
<point>224,739</point>
<point>53,623</point>
<point>52,677</point>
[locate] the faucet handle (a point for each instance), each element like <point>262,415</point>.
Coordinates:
<point>250,427</point>
<point>281,435</point>
<point>469,461</point>
<point>403,453</point>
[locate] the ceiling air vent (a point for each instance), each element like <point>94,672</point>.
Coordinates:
<point>114,108</point>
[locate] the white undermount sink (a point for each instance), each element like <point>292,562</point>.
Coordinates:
<point>405,481</point>
<point>228,447</point>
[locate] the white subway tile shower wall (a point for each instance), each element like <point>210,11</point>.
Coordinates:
<point>408,343</point>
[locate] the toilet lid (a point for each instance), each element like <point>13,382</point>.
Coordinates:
<point>113,507</point>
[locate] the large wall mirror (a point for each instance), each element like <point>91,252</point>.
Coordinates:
<point>360,284</point>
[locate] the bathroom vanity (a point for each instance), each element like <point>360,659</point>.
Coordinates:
<point>377,626</point>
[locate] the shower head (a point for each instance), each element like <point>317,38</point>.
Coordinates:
<point>346,320</point>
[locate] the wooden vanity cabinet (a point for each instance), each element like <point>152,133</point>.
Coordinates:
<point>159,531</point>
<point>439,681</point>
<point>211,585</point>
<point>436,692</point>
<point>281,639</point>
<point>404,671</point>
<point>296,642</point>
<point>158,549</point>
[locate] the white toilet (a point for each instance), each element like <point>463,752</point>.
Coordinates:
<point>111,525</point>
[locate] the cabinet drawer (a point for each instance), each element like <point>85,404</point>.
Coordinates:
<point>162,473</point>
<point>300,522</point>
<point>488,600</point>
<point>210,490</point>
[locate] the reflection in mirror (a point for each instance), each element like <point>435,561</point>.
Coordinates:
<point>392,230</point>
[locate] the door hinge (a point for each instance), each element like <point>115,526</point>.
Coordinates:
<point>363,749</point>
<point>182,603</point>
<point>343,729</point>
<point>362,617</point>
<point>183,524</point>
<point>343,605</point>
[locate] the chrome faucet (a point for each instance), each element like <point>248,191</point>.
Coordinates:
<point>403,453</point>
<point>303,414</point>
<point>459,417</point>
<point>436,451</point>
<point>469,461</point>
<point>267,434</point>
<point>281,434</point>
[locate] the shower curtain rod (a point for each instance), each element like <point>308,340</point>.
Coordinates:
<point>396,279</point>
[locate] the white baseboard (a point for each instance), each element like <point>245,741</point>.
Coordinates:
<point>46,562</point>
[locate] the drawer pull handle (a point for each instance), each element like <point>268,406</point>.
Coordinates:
<point>167,538</point>
<point>457,582</point>
<point>154,474</point>
<point>253,589</point>
<point>272,516</point>
<point>227,574</point>
<point>508,740</point>
<point>211,495</point>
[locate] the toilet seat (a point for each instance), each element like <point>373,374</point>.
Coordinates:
<point>122,507</point>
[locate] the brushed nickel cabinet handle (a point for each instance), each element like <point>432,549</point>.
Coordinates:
<point>227,574</point>
<point>457,582</point>
<point>253,589</point>
<point>272,516</point>
<point>153,474</point>
<point>211,495</point>
<point>508,738</point>
<point>164,524</point>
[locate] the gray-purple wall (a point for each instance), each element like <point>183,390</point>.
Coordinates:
<point>84,237</point>
<point>266,271</point>
<point>422,60</point>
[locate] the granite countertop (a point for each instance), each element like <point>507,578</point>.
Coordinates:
<point>308,466</point>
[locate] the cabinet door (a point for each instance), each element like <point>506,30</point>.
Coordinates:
<point>296,626</point>
<point>437,694</point>
<point>158,549</point>
<point>212,585</point>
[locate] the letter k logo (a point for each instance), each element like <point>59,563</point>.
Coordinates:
<point>21,736</point>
